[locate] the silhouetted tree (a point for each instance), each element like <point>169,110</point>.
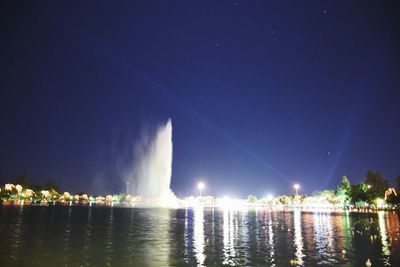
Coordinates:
<point>378,184</point>
<point>22,180</point>
<point>50,185</point>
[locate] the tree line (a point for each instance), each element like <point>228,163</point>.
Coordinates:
<point>375,188</point>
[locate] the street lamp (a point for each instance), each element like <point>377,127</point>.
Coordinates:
<point>296,187</point>
<point>201,186</point>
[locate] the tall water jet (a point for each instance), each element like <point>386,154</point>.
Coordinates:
<point>150,174</point>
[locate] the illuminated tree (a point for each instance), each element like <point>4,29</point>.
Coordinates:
<point>66,196</point>
<point>359,194</point>
<point>252,199</point>
<point>343,191</point>
<point>395,198</point>
<point>283,200</point>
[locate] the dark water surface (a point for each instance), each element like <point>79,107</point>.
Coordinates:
<point>103,236</point>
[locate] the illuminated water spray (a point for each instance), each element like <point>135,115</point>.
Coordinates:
<point>150,176</point>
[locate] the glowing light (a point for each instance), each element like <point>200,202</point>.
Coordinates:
<point>270,197</point>
<point>66,196</point>
<point>100,199</point>
<point>45,193</point>
<point>296,187</point>
<point>18,188</point>
<point>380,203</point>
<point>8,187</point>
<point>29,192</point>
<point>201,186</point>
<point>109,199</point>
<point>225,202</point>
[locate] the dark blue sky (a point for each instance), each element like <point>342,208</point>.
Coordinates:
<point>261,94</point>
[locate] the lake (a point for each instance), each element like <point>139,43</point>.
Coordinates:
<point>104,236</point>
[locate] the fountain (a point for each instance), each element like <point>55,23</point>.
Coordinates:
<point>150,175</point>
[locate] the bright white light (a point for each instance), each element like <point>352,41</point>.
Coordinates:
<point>201,185</point>
<point>270,197</point>
<point>296,186</point>
<point>225,202</point>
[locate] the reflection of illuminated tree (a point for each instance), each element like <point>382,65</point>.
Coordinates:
<point>346,229</point>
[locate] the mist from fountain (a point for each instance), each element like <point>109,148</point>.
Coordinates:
<point>150,174</point>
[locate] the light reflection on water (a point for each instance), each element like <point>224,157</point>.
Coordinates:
<point>199,235</point>
<point>384,237</point>
<point>67,236</point>
<point>87,239</point>
<point>98,236</point>
<point>271,241</point>
<point>109,241</point>
<point>228,233</point>
<point>324,238</point>
<point>298,240</point>
<point>16,234</point>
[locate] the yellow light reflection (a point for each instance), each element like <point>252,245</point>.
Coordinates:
<point>384,236</point>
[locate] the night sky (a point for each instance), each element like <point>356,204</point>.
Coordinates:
<point>261,94</point>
